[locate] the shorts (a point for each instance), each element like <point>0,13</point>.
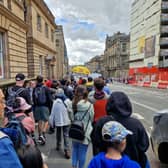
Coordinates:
<point>41,113</point>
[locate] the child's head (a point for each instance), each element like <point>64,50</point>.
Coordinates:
<point>30,156</point>
<point>114,135</point>
<point>20,105</point>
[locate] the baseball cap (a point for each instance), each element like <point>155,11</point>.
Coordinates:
<point>20,77</point>
<point>113,131</point>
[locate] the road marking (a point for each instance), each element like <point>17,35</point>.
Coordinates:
<point>145,106</point>
<point>137,116</point>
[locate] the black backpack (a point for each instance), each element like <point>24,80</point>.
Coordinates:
<point>40,95</point>
<point>77,130</point>
<point>11,102</point>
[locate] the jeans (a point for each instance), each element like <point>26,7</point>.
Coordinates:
<point>65,130</point>
<point>79,151</point>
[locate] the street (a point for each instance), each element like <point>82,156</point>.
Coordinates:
<point>145,103</point>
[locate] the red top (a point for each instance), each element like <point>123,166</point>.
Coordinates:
<point>100,109</point>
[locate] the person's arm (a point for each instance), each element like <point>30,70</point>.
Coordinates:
<point>45,166</point>
<point>92,113</point>
<point>69,109</point>
<point>8,156</point>
<point>26,96</point>
<point>143,143</point>
<point>52,115</point>
<point>49,97</point>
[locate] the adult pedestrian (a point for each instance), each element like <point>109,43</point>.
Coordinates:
<point>99,99</point>
<point>96,135</point>
<point>68,90</point>
<point>114,137</point>
<point>32,85</point>
<point>61,116</point>
<point>21,91</point>
<point>8,156</point>
<point>83,111</point>
<point>42,99</point>
<point>90,84</point>
<point>106,89</point>
<point>119,106</point>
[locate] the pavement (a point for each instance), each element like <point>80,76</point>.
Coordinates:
<point>146,102</point>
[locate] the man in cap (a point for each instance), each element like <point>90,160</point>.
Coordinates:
<point>20,90</point>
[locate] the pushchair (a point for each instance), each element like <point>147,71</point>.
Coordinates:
<point>159,136</point>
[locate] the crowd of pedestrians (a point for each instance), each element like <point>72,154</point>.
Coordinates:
<point>83,112</point>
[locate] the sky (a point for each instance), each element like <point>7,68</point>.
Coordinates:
<point>87,22</point>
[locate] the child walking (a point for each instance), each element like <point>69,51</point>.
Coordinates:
<point>114,136</point>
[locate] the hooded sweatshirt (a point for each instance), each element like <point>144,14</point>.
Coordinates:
<point>61,113</point>
<point>100,161</point>
<point>119,106</point>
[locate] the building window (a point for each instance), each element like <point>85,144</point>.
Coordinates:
<point>41,65</point>
<point>46,30</point>
<point>9,4</point>
<point>124,47</point>
<point>38,22</point>
<point>1,57</point>
<point>52,35</point>
<point>57,42</point>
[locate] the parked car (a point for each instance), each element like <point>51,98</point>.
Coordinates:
<point>159,136</point>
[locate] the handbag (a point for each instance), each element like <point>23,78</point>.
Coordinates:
<point>77,130</point>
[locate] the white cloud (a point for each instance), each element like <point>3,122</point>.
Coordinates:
<point>108,16</point>
<point>81,51</point>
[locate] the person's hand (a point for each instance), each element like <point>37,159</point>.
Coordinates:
<point>45,166</point>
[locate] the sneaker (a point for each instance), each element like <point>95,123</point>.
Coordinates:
<point>41,140</point>
<point>67,154</point>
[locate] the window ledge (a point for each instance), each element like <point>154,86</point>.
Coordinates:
<point>20,4</point>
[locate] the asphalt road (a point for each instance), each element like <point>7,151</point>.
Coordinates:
<point>146,102</point>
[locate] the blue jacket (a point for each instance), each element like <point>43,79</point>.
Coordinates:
<point>100,161</point>
<point>8,156</point>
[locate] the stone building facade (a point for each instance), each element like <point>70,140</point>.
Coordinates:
<point>116,55</point>
<point>13,49</point>
<point>27,41</point>
<point>149,41</point>
<point>96,64</point>
<point>62,64</point>
<point>41,48</point>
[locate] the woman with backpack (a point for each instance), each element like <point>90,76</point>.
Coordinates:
<point>83,112</point>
